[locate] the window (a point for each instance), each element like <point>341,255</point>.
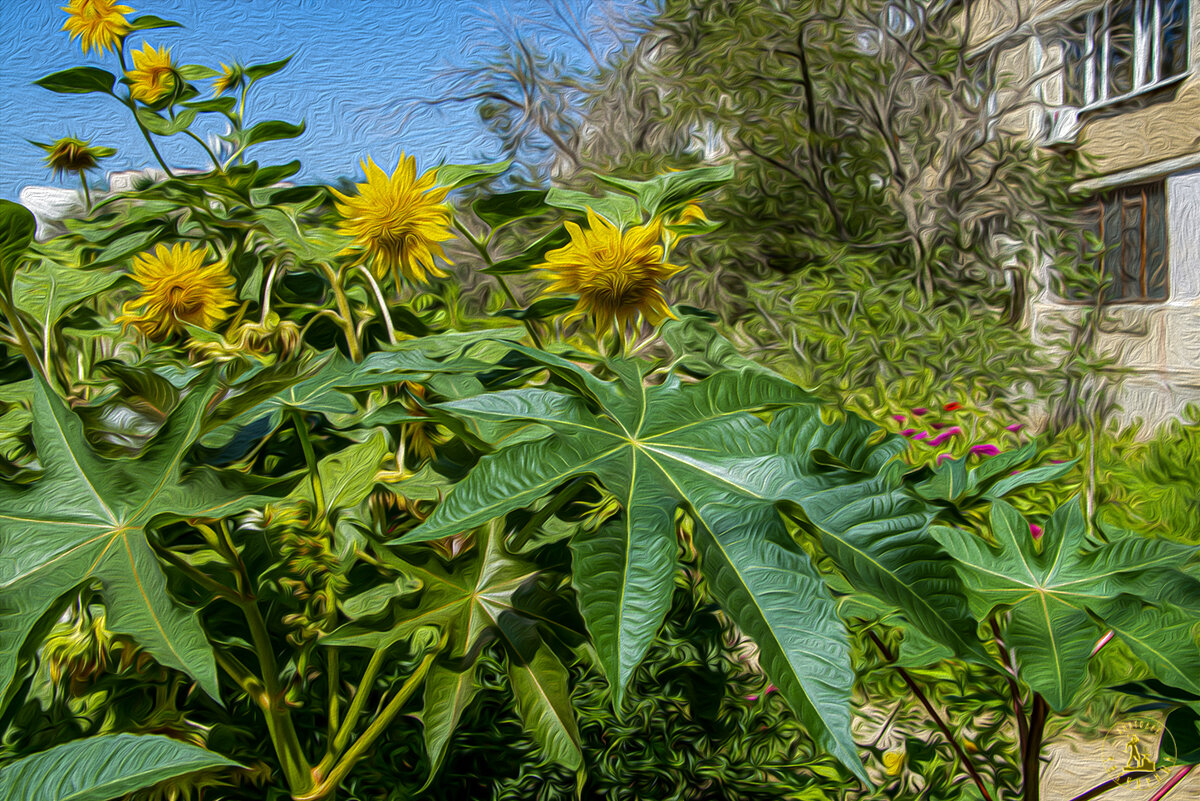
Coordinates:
<point>1125,48</point>
<point>1132,223</point>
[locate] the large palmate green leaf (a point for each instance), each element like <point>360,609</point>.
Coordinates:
<point>698,446</point>
<point>877,533</point>
<point>85,521</point>
<point>103,768</point>
<point>483,596</point>
<point>1063,595</point>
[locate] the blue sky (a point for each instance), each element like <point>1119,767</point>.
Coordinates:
<point>357,66</point>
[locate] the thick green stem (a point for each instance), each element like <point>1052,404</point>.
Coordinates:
<point>358,702</point>
<point>329,784</point>
<point>310,458</point>
<point>216,161</point>
<point>1031,757</point>
<point>934,716</point>
<point>87,192</point>
<point>347,320</point>
<point>23,341</point>
<point>379,298</point>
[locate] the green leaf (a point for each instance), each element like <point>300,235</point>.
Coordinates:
<point>699,446</point>
<point>103,768</point>
<point>223,105</point>
<point>1052,594</point>
<point>17,227</point>
<point>456,176</point>
<point>541,309</point>
<point>271,130</point>
<point>532,255</point>
<point>158,124</point>
<point>1180,742</point>
<point>505,207</point>
<point>1162,637</point>
<point>448,693</point>
<point>123,247</point>
<point>348,475</point>
<point>670,190</point>
<point>149,22</point>
<point>257,72</point>
<point>1036,475</point>
<point>543,695</point>
<point>86,520</point>
<point>46,289</point>
<point>79,81</point>
<point>196,72</point>
<point>618,209</point>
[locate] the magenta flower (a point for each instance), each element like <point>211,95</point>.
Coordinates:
<point>920,411</point>
<point>945,435</point>
<point>1056,461</point>
<point>1015,427</point>
<point>985,450</point>
<point>908,432</point>
<point>922,435</point>
<point>937,426</point>
<point>941,457</point>
<point>899,418</point>
<point>1035,530</point>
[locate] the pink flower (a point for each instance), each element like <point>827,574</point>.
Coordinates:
<point>937,426</point>
<point>920,411</point>
<point>922,435</point>
<point>1102,642</point>
<point>899,418</point>
<point>943,457</point>
<point>908,432</point>
<point>1056,461</point>
<point>1015,427</point>
<point>985,450</point>
<point>1035,530</point>
<point>945,435</point>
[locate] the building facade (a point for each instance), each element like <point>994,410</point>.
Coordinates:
<point>1118,78</point>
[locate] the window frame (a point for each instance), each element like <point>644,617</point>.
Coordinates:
<point>1094,60</point>
<point>1102,205</point>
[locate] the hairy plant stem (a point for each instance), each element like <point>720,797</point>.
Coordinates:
<point>327,785</point>
<point>1031,755</point>
<point>344,316</point>
<point>933,714</point>
<point>482,248</point>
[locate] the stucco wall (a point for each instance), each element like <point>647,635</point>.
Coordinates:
<point>1160,342</point>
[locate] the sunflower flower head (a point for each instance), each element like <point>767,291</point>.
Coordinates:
<point>74,156</point>
<point>96,23</point>
<point>230,77</point>
<point>397,222</point>
<point>617,274</point>
<point>178,290</point>
<point>153,75</point>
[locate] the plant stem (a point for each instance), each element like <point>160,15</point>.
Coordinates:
<point>310,458</point>
<point>1111,784</point>
<point>195,574</point>
<point>383,309</point>
<point>1171,782</point>
<point>1014,689</point>
<point>216,161</point>
<point>23,342</point>
<point>1031,757</point>
<point>937,719</point>
<point>332,668</point>
<point>87,193</point>
<point>362,694</point>
<point>347,322</point>
<point>329,784</point>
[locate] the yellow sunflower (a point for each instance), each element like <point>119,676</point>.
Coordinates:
<point>153,74</point>
<point>178,289</point>
<point>71,155</point>
<point>616,273</point>
<point>397,222</point>
<point>96,23</point>
<point>230,77</point>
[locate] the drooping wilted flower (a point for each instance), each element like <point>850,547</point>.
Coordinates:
<point>230,77</point>
<point>98,24</point>
<point>178,290</point>
<point>69,155</point>
<point>153,74</point>
<point>397,222</point>
<point>617,274</point>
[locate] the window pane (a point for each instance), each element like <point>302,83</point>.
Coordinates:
<point>1077,60</point>
<point>1173,49</point>
<point>1120,48</point>
<point>1156,242</point>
